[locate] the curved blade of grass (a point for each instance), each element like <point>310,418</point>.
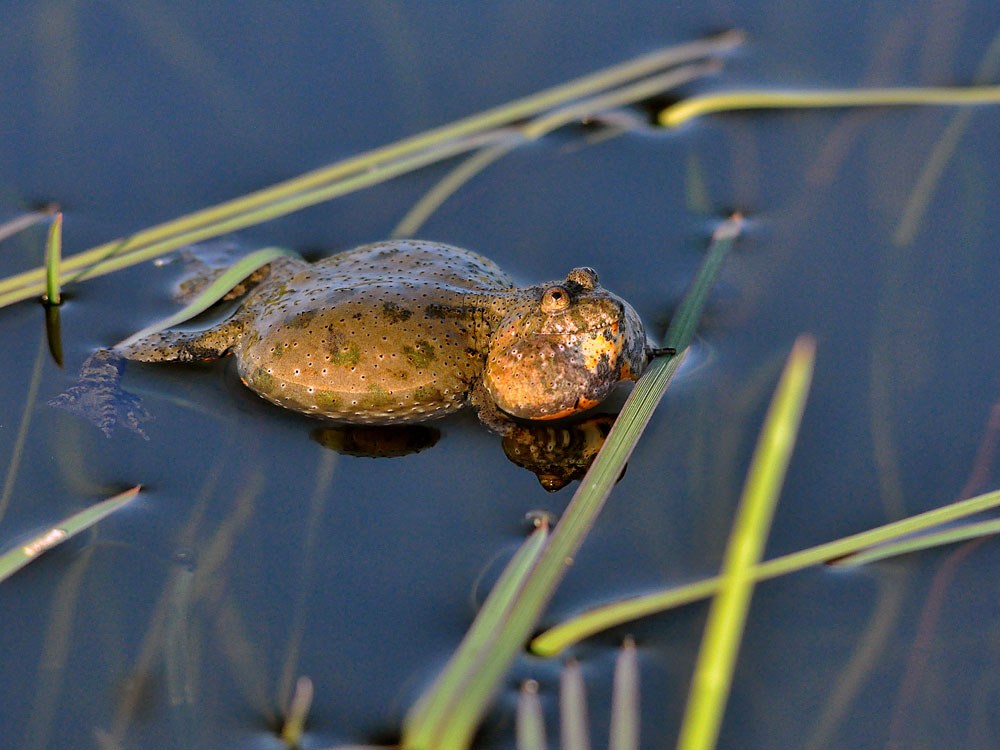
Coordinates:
<point>530,598</point>
<point>933,168</point>
<point>727,616</point>
<point>53,257</point>
<point>553,641</point>
<point>14,559</point>
<point>727,101</point>
<point>350,174</point>
<point>625,700</point>
<point>440,703</point>
<point>530,725</point>
<point>962,533</point>
<point>214,291</point>
<point>539,127</point>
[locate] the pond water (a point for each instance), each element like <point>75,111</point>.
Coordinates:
<point>254,554</point>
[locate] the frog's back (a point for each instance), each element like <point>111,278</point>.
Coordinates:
<point>380,334</point>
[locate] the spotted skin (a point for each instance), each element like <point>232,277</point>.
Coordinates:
<point>406,331</point>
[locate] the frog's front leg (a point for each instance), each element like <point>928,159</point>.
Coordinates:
<point>183,346</point>
<point>489,413</point>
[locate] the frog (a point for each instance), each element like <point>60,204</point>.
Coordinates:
<point>406,331</point>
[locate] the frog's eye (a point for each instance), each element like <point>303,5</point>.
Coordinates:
<point>585,276</point>
<point>554,299</point>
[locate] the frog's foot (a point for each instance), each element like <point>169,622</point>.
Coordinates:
<point>183,346</point>
<point>99,398</point>
<point>489,413</point>
<point>190,288</point>
<point>207,261</point>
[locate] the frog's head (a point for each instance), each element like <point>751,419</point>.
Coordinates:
<point>564,349</point>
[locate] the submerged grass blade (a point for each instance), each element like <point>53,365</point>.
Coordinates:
<point>553,641</point>
<point>15,226</point>
<point>53,258</point>
<point>291,732</point>
<point>442,701</point>
<point>727,101</point>
<point>53,333</point>
<point>14,559</point>
<point>530,598</point>
<point>354,172</point>
<point>215,291</point>
<point>530,722</point>
<point>727,616</point>
<point>933,168</point>
<point>625,700</point>
<point>573,731</point>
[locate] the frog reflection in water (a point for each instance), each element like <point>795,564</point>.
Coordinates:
<point>406,331</point>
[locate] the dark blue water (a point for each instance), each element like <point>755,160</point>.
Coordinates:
<point>254,552</point>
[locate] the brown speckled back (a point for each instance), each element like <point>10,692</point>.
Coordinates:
<point>385,333</point>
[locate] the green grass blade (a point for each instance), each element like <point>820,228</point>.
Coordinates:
<point>429,717</point>
<point>537,128</point>
<point>684,322</point>
<point>14,559</point>
<point>530,726</point>
<point>573,726</point>
<point>531,598</point>
<point>53,258</point>
<point>954,535</point>
<point>727,101</point>
<point>727,616</point>
<point>215,291</point>
<point>553,641</point>
<point>625,700</point>
<point>354,172</point>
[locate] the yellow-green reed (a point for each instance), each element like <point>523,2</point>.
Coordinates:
<point>716,662</point>
<point>53,258</point>
<point>728,101</point>
<point>554,640</point>
<point>963,533</point>
<point>428,722</point>
<point>17,557</point>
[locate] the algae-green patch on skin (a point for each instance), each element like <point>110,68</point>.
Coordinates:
<point>345,355</point>
<point>405,331</point>
<point>420,355</point>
